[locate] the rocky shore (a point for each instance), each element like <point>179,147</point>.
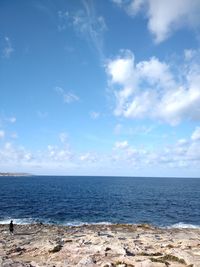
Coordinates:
<point>98,245</point>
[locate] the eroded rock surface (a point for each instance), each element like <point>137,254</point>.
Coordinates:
<point>99,245</point>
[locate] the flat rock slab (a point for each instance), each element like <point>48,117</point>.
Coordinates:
<point>98,245</point>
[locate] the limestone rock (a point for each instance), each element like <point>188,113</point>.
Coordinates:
<point>120,245</point>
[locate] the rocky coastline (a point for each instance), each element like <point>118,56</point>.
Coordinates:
<point>38,245</point>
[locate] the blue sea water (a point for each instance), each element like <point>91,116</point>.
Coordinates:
<point>76,200</point>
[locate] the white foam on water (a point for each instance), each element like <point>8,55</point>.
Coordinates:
<point>78,223</point>
<point>72,223</point>
<point>25,221</point>
<point>184,226</point>
<point>6,221</point>
<point>17,221</point>
<point>104,223</point>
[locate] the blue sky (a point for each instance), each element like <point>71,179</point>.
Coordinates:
<point>107,87</point>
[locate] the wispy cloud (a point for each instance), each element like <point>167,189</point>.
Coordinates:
<point>12,119</point>
<point>68,97</point>
<point>196,134</point>
<point>87,24</point>
<point>63,137</point>
<point>14,135</point>
<point>121,144</point>
<point>42,114</point>
<point>120,129</point>
<point>2,134</point>
<point>7,119</point>
<point>89,157</point>
<point>94,115</point>
<point>8,48</point>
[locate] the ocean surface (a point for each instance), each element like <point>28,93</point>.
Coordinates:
<point>165,202</point>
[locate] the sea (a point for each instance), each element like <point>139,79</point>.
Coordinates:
<point>71,200</point>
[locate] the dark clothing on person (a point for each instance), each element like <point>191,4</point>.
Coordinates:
<point>11,227</point>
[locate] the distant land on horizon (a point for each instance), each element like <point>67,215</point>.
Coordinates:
<point>18,174</point>
<point>14,174</point>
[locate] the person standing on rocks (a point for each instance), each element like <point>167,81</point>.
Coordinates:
<point>11,227</point>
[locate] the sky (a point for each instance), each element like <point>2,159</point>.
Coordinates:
<point>108,87</point>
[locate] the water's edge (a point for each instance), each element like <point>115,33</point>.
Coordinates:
<point>179,225</point>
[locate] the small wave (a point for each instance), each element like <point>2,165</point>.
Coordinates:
<point>25,221</point>
<point>17,221</point>
<point>183,226</point>
<point>85,223</point>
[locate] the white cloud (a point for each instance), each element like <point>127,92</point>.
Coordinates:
<point>189,54</point>
<point>181,157</point>
<point>8,49</point>
<point>12,154</point>
<point>187,152</point>
<point>2,134</point>
<point>121,145</point>
<point>149,89</point>
<point>58,154</point>
<point>156,73</point>
<point>94,115</point>
<point>17,158</point>
<point>184,153</point>
<point>126,153</point>
<point>165,17</point>
<point>135,6</point>
<point>122,68</point>
<point>182,142</point>
<point>196,134</point>
<point>88,157</point>
<point>68,97</point>
<point>193,153</point>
